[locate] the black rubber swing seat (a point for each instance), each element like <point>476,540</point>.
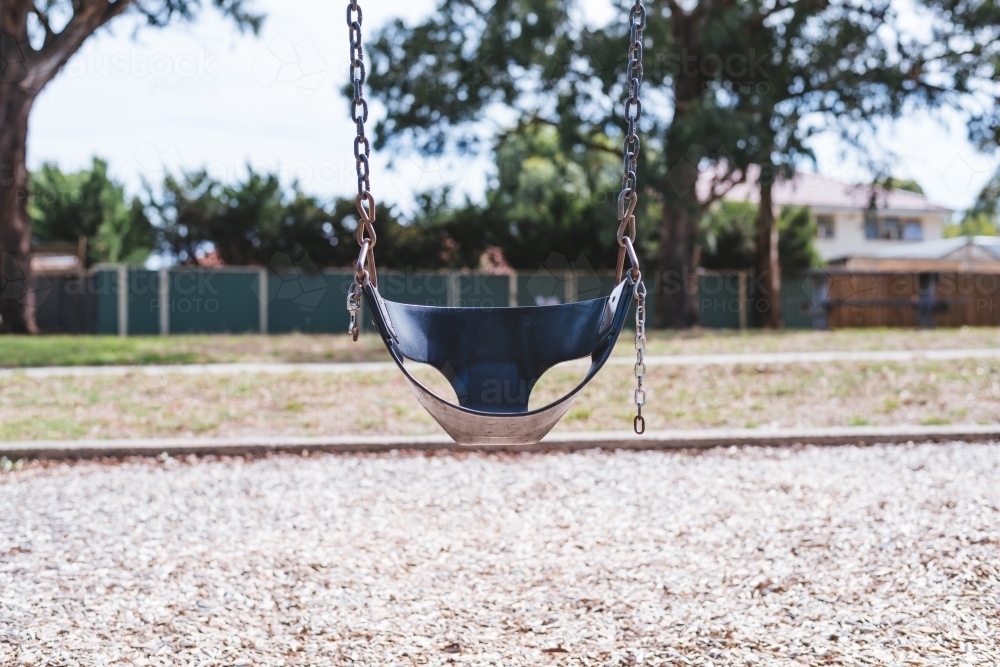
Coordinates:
<point>494,356</point>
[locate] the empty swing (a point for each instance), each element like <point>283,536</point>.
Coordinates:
<point>494,356</point>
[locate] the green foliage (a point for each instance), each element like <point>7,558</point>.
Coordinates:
<point>977,224</point>
<point>251,221</point>
<point>546,198</point>
<point>796,233</point>
<point>158,13</point>
<point>559,159</point>
<point>543,198</point>
<point>893,183</point>
<point>66,206</point>
<point>988,202</point>
<point>982,218</point>
<point>729,235</point>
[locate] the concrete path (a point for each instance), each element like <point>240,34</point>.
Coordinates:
<point>755,359</point>
<point>868,435</point>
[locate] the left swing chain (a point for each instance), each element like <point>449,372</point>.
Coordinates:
<point>362,152</point>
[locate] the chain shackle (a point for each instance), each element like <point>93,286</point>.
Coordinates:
<point>629,197</point>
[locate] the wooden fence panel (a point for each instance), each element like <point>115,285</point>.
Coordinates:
<point>893,299</point>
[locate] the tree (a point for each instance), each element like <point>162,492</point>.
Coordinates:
<point>731,84</point>
<point>64,207</point>
<point>544,198</point>
<point>830,64</point>
<point>983,217</point>
<point>37,39</point>
<point>893,183</point>
<point>974,224</point>
<point>729,231</point>
<point>964,55</point>
<point>987,203</point>
<point>249,222</point>
<point>437,80</point>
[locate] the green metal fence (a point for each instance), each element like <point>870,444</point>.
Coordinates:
<point>730,300</point>
<point>134,301</point>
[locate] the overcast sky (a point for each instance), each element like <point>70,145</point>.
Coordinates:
<point>202,95</point>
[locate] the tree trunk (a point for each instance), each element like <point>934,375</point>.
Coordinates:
<point>768,278</point>
<point>675,298</point>
<point>17,298</point>
<point>675,287</point>
<point>24,71</point>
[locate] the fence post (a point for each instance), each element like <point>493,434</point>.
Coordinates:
<point>512,296</point>
<point>164,302</point>
<point>454,290</point>
<point>571,287</point>
<point>742,296</point>
<point>819,308</point>
<point>263,300</point>
<point>122,300</point>
<point>926,299</point>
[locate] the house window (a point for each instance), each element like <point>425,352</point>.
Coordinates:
<point>889,229</point>
<point>913,230</point>
<point>886,229</point>
<point>871,227</point>
<point>824,226</point>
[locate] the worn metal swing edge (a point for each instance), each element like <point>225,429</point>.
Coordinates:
<point>473,427</point>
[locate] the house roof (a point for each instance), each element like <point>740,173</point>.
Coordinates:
<point>976,254</point>
<point>961,248</point>
<point>814,190</point>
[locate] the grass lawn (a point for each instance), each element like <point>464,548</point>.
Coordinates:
<point>174,405</point>
<point>25,351</point>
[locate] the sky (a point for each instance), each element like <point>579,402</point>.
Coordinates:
<point>202,95</point>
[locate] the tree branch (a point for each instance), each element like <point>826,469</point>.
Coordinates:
<point>730,179</point>
<point>43,18</point>
<point>88,16</point>
<point>759,19</point>
<point>675,9</point>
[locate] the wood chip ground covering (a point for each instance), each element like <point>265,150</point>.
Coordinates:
<point>808,556</point>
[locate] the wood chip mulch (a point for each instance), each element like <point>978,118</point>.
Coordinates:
<point>809,556</point>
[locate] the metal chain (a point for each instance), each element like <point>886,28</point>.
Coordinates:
<point>629,196</point>
<point>362,152</point>
<point>353,306</point>
<point>639,290</point>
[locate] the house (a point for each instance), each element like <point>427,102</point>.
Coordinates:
<point>59,258</point>
<point>845,224</point>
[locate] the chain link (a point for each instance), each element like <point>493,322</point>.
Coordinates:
<point>353,306</point>
<point>362,152</point>
<point>629,197</point>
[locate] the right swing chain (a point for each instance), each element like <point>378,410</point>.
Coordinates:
<point>629,198</point>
